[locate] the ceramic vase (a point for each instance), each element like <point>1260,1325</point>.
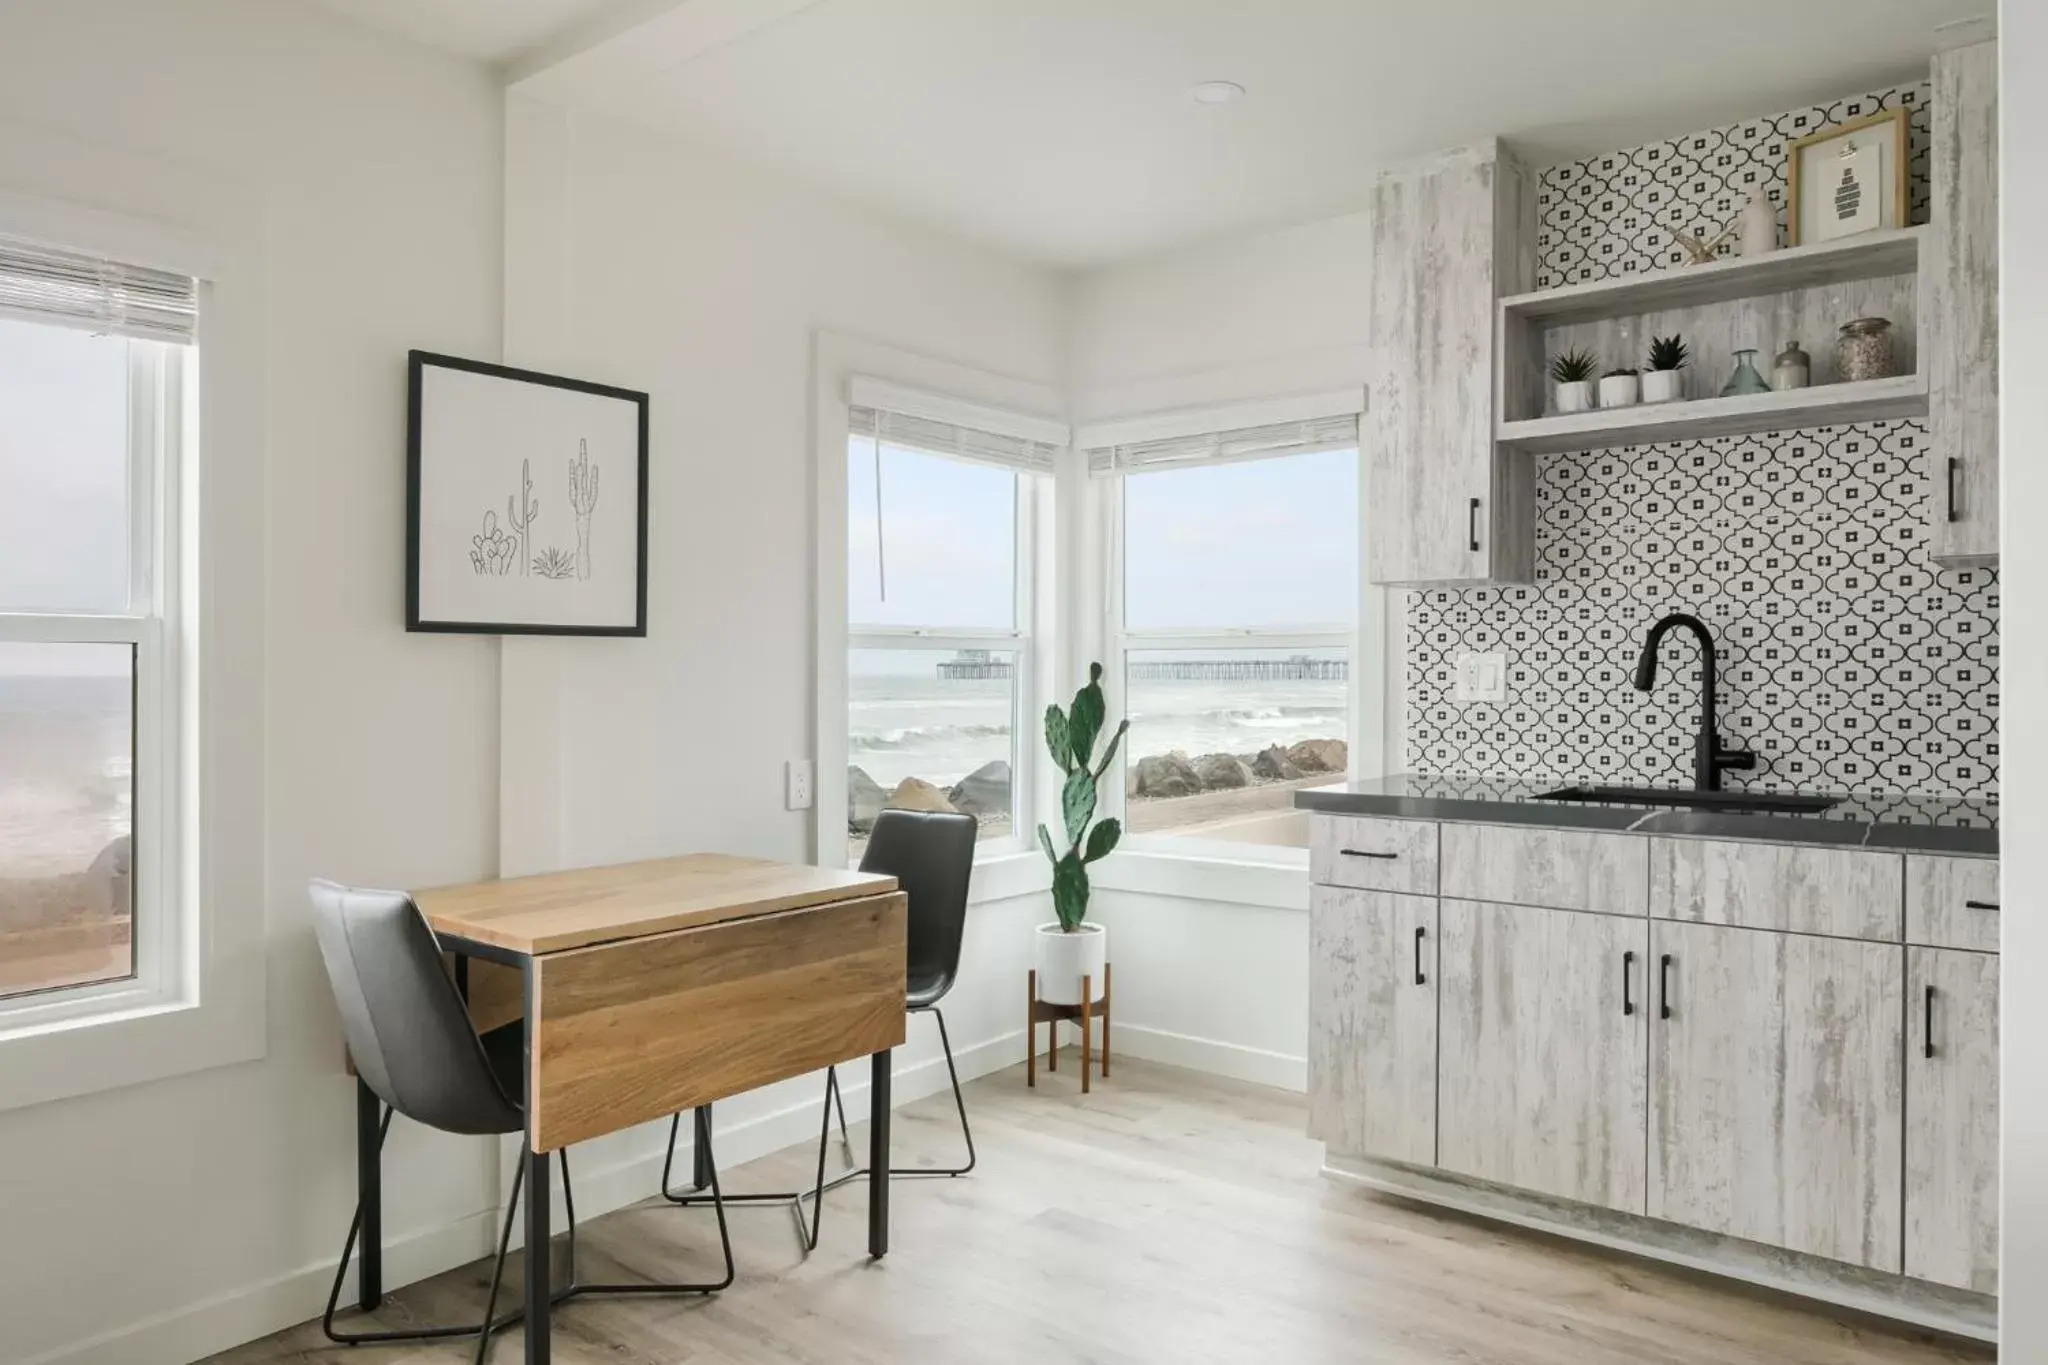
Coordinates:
<point>1062,959</point>
<point>1663,386</point>
<point>1620,390</point>
<point>1576,396</point>
<point>1759,225</point>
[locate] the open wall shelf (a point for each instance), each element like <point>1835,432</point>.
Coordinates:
<point>1869,400</point>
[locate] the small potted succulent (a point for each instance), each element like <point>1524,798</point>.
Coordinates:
<point>1572,372</point>
<point>1662,382</point>
<point>1621,388</point>
<point>1070,947</point>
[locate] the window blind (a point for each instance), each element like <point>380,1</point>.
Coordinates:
<point>74,289</point>
<point>1217,447</point>
<point>946,438</point>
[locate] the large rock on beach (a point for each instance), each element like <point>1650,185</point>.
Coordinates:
<point>1161,775</point>
<point>1222,772</point>
<point>983,792</point>
<point>1273,765</point>
<point>865,799</point>
<point>1319,756</point>
<point>914,793</point>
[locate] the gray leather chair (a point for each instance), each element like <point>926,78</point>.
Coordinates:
<point>410,1036</point>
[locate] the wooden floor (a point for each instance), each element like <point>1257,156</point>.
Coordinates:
<point>1168,1217</point>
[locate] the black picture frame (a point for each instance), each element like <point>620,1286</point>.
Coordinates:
<point>417,363</point>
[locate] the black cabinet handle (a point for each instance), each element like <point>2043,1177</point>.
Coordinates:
<point>1927,1024</point>
<point>1664,986</point>
<point>1421,932</point>
<point>1365,853</point>
<point>1980,905</point>
<point>1628,963</point>
<point>1472,524</point>
<point>1954,465</point>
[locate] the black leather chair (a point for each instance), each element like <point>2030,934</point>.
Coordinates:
<point>931,855</point>
<point>410,1036</point>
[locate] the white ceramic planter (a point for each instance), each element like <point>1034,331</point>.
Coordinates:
<point>1663,386</point>
<point>1063,959</point>
<point>1576,396</point>
<point>1620,390</point>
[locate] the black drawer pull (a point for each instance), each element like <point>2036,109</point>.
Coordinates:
<point>1628,964</point>
<point>1421,932</point>
<point>1927,1025</point>
<point>1664,987</point>
<point>1954,466</point>
<point>1472,519</point>
<point>1980,905</point>
<point>1366,853</point>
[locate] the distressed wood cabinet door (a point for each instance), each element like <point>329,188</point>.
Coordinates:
<point>1447,238</point>
<point>1960,306</point>
<point>1776,1105</point>
<point>1545,1040</point>
<point>1952,1118</point>
<point>1372,1023</point>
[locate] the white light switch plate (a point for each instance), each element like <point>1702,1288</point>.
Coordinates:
<point>1481,677</point>
<point>798,777</point>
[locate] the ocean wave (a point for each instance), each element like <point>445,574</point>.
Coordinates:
<point>1240,715</point>
<point>923,736</point>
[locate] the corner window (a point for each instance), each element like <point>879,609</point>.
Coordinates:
<point>1234,607</point>
<point>92,368</point>
<point>941,574</point>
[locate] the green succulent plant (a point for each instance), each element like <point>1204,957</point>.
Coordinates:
<point>1620,373</point>
<point>1573,367</point>
<point>1070,737</point>
<point>1669,353</point>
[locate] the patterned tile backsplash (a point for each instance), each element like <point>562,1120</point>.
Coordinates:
<point>1848,661</point>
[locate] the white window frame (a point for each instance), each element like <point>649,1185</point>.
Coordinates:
<point>1119,640</point>
<point>162,918</point>
<point>902,380</point>
<point>213,1014</point>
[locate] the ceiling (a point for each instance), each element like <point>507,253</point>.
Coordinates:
<point>1062,130</point>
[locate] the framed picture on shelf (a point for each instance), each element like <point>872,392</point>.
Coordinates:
<point>1848,179</point>
<point>526,502</point>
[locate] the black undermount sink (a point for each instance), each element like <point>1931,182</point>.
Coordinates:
<point>1789,802</point>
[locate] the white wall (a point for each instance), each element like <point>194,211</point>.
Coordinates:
<point>154,1218</point>
<point>2023,1262</point>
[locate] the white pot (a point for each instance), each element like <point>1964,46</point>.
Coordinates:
<point>1063,959</point>
<point>1663,386</point>
<point>1576,396</point>
<point>1759,225</point>
<point>1620,390</point>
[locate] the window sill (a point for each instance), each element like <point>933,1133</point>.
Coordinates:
<point>129,1044</point>
<point>1269,882</point>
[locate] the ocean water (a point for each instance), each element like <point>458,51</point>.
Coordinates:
<point>942,730</point>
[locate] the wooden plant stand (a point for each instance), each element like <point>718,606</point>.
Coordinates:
<point>1045,1012</point>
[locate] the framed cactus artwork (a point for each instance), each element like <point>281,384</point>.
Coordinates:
<point>526,502</point>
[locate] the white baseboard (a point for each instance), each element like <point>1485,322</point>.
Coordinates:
<point>1234,1060</point>
<point>296,1296</point>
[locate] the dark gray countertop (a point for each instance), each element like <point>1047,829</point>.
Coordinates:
<point>1887,820</point>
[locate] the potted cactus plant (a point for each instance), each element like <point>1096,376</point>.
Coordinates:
<point>1662,382</point>
<point>1572,372</point>
<point>1069,948</point>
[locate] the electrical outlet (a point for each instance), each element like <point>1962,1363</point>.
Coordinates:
<point>798,777</point>
<point>1481,677</point>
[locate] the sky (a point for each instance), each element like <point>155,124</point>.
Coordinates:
<point>1268,543</point>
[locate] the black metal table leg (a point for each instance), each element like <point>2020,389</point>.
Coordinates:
<point>539,1292</point>
<point>878,1154</point>
<point>700,1160</point>
<point>370,1197</point>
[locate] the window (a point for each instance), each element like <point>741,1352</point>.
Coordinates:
<point>1233,608</point>
<point>941,595</point>
<point>92,368</point>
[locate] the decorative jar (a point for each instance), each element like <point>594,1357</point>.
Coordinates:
<point>1864,350</point>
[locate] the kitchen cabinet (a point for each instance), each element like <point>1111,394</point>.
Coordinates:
<point>1449,238</point>
<point>1952,1118</point>
<point>1372,1058</point>
<point>1952,902</point>
<point>1544,1043</point>
<point>1565,869</point>
<point>1776,1105</point>
<point>1843,892</point>
<point>1959,307</point>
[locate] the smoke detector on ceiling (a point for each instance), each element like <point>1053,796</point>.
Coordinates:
<point>1216,92</point>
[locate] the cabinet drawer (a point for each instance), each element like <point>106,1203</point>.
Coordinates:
<point>1372,854</point>
<point>1952,902</point>
<point>1841,893</point>
<point>1557,869</point>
